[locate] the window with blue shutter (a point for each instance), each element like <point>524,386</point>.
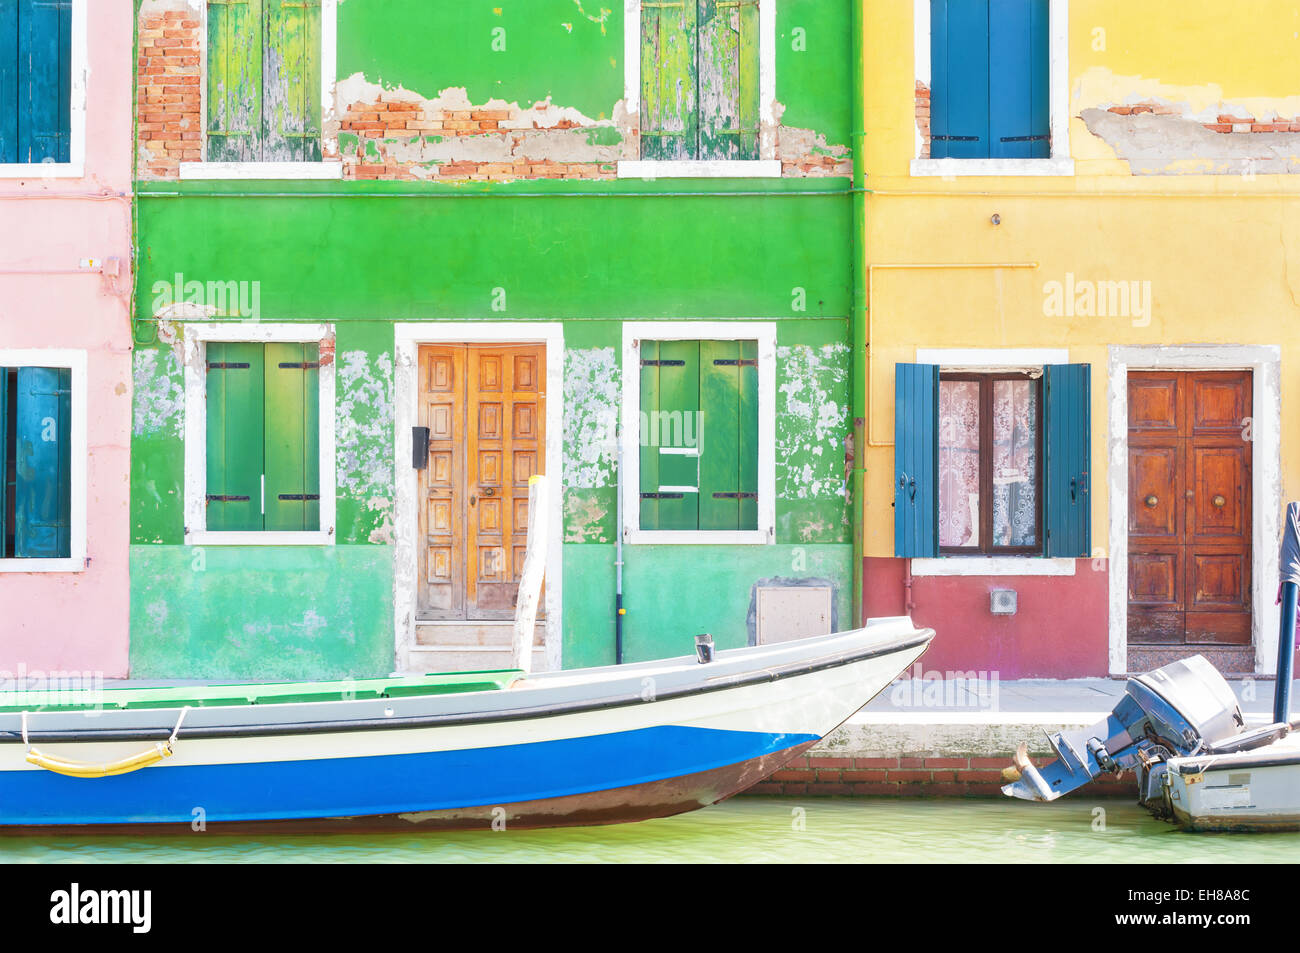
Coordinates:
<point>916,460</point>
<point>989,78</point>
<point>1066,481</point>
<point>35,81</point>
<point>992,463</point>
<point>36,462</point>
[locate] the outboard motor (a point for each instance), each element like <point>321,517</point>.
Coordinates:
<point>1185,708</point>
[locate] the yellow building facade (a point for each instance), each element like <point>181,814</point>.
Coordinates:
<point>1153,236</point>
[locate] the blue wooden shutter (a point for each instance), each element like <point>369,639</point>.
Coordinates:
<point>8,80</point>
<point>1067,438</point>
<point>4,460</point>
<point>916,460</point>
<point>959,79</point>
<point>44,80</point>
<point>43,463</point>
<point>1019,112</point>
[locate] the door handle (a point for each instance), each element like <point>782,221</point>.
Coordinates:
<point>488,490</point>
<point>472,499</point>
<point>1152,501</point>
<point>1219,501</point>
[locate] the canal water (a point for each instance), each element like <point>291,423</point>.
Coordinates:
<point>743,830</point>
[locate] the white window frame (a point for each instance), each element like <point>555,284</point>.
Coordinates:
<point>75,167</point>
<point>995,360</point>
<point>76,362</point>
<point>196,339</point>
<point>766,166</point>
<point>1061,162</point>
<point>634,332</point>
<point>326,168</point>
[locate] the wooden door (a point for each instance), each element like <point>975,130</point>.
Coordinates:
<point>1189,476</point>
<point>485,410</point>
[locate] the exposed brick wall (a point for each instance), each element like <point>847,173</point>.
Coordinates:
<point>398,138</point>
<point>1225,122</point>
<point>815,775</point>
<point>170,99</point>
<point>923,117</point>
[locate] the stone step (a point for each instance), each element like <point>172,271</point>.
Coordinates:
<point>444,658</point>
<point>495,634</point>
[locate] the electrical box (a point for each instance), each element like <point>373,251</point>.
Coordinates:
<point>785,613</point>
<point>1002,602</point>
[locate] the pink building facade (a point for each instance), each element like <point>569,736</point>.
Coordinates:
<point>65,337</point>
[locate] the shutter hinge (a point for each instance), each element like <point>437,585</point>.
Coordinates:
<point>299,497</point>
<point>298,365</point>
<point>955,138</point>
<point>663,363</point>
<point>228,366</point>
<point>735,496</point>
<point>736,362</point>
<point>1025,138</point>
<point>661,496</point>
<point>217,498</point>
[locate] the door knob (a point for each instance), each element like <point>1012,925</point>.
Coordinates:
<point>1219,501</point>
<point>488,490</point>
<point>1151,501</point>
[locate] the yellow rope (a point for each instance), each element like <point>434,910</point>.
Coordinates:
<point>102,769</point>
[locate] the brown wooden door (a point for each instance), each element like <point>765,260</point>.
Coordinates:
<point>1189,511</point>
<point>485,410</point>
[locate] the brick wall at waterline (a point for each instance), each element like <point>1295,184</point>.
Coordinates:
<point>818,775</point>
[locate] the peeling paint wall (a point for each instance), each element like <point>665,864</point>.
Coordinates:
<point>482,91</point>
<point>365,419</point>
<point>811,421</point>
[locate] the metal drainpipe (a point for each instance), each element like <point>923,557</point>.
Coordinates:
<point>857,480</point>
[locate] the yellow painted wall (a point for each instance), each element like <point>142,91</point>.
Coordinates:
<point>1222,252</point>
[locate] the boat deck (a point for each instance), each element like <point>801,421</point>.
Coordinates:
<point>275,693</point>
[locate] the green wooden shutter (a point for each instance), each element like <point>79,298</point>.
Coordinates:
<point>916,460</point>
<point>43,463</point>
<point>959,79</point>
<point>728,79</point>
<point>8,80</point>
<point>235,436</point>
<point>292,437</point>
<point>1067,439</point>
<point>670,462</point>
<point>235,41</point>
<point>728,435</point>
<point>291,101</point>
<point>669,94</point>
<point>1019,112</point>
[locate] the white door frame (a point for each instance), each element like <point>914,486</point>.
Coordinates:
<point>408,338</point>
<point>1264,361</point>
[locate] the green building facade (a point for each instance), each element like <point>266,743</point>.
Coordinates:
<point>497,190</point>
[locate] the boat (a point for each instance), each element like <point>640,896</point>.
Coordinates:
<point>1180,730</point>
<point>466,750</point>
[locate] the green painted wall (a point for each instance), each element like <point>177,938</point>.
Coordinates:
<point>257,613</point>
<point>590,254</point>
<point>672,593</point>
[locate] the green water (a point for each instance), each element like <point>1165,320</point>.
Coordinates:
<point>744,830</point>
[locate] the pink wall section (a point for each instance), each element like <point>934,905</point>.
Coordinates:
<point>1058,631</point>
<point>77,622</point>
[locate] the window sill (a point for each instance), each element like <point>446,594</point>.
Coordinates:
<point>700,169</point>
<point>261,170</point>
<point>73,564</point>
<point>697,537</point>
<point>42,170</point>
<point>992,167</point>
<point>993,566</point>
<point>215,538</point>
